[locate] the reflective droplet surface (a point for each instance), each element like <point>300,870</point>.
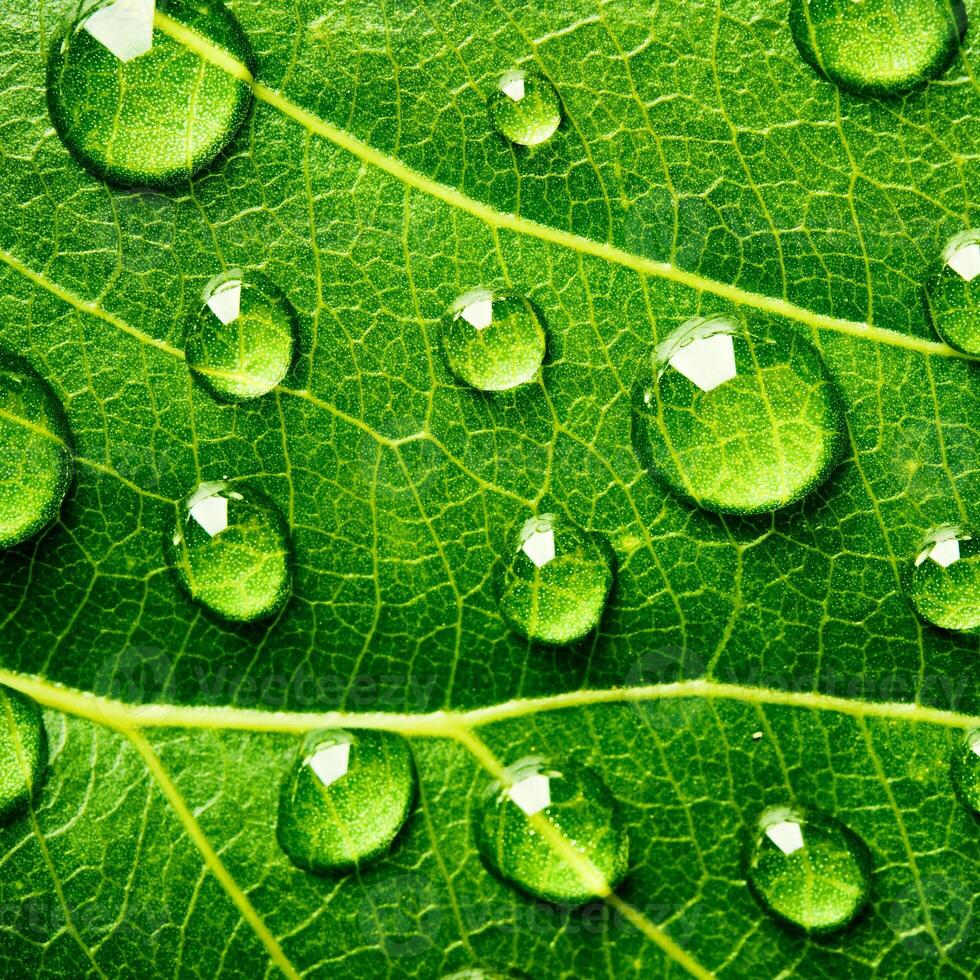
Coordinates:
<point>35,452</point>
<point>346,798</point>
<point>555,585</point>
<point>809,870</point>
<point>23,751</point>
<point>133,97</point>
<point>945,578</point>
<point>737,420</point>
<point>525,108</point>
<point>576,801</point>
<point>493,342</point>
<point>953,296</point>
<point>964,769</point>
<point>244,339</point>
<point>231,551</point>
<point>877,47</point>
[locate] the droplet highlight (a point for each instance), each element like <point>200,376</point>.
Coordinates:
<point>578,803</point>
<point>345,800</point>
<point>493,342</point>
<point>735,419</point>
<point>136,99</point>
<point>964,769</point>
<point>244,339</point>
<point>36,454</point>
<point>231,551</point>
<point>525,108</point>
<point>953,296</point>
<point>809,870</point>
<point>555,584</point>
<point>23,751</point>
<point>945,578</point>
<point>878,47</point>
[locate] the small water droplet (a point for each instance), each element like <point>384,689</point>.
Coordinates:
<point>231,551</point>
<point>875,47</point>
<point>35,452</point>
<point>345,799</point>
<point>809,870</point>
<point>135,105</point>
<point>243,341</point>
<point>953,296</point>
<point>964,769</point>
<point>525,108</point>
<point>578,804</point>
<point>555,586</point>
<point>945,578</point>
<point>23,751</point>
<point>493,342</point>
<point>739,421</point>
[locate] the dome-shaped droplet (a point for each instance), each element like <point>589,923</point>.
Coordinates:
<point>242,343</point>
<point>555,585</point>
<point>525,108</point>
<point>739,421</point>
<point>23,751</point>
<point>964,769</point>
<point>345,799</point>
<point>493,342</point>
<point>576,801</point>
<point>35,452</point>
<point>954,294</point>
<point>231,551</point>
<point>809,870</point>
<point>877,47</point>
<point>945,578</point>
<point>138,99</point>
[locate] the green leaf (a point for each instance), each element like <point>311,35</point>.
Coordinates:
<point>701,168</point>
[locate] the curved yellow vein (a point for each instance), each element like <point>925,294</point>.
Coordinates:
<point>512,222</point>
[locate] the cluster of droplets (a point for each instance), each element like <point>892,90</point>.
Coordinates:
<point>737,417</point>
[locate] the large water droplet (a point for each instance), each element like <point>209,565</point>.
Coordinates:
<point>878,47</point>
<point>23,751</point>
<point>346,798</point>
<point>964,769</point>
<point>525,108</point>
<point>737,420</point>
<point>809,870</point>
<point>555,586</point>
<point>493,342</point>
<point>138,106</point>
<point>576,801</point>
<point>945,578</point>
<point>954,294</point>
<point>231,551</point>
<point>243,342</point>
<point>35,452</point>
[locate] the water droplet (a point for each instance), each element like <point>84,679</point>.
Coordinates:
<point>231,551</point>
<point>35,452</point>
<point>965,769</point>
<point>243,341</point>
<point>578,804</point>
<point>23,751</point>
<point>809,870</point>
<point>945,578</point>
<point>738,421</point>
<point>135,105</point>
<point>493,342</point>
<point>525,108</point>
<point>875,47</point>
<point>954,294</point>
<point>555,586</point>
<point>346,798</point>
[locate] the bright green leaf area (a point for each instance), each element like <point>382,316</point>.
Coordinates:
<point>700,165</point>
